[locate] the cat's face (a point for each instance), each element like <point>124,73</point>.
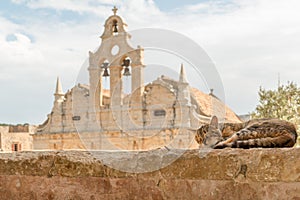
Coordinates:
<point>213,136</point>
<point>209,134</point>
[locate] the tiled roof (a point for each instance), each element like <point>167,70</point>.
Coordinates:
<point>209,105</point>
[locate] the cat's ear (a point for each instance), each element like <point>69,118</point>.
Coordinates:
<point>214,122</point>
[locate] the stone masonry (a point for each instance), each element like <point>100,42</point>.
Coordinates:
<point>216,174</point>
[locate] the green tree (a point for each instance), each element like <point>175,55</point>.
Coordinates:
<point>282,103</point>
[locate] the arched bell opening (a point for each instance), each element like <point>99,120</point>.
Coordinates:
<point>115,27</point>
<point>105,74</point>
<point>126,75</point>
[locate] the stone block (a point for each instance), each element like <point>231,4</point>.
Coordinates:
<point>196,174</point>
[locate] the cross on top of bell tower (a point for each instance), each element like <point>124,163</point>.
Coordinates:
<point>114,26</point>
<point>115,10</point>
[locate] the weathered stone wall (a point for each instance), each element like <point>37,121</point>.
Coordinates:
<point>10,135</point>
<point>216,174</point>
<point>114,140</point>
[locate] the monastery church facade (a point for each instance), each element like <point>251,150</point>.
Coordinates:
<point>160,113</point>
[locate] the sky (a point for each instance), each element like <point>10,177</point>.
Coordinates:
<point>251,42</point>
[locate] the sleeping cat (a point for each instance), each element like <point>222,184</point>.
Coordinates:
<point>265,133</point>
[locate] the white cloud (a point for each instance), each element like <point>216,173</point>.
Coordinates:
<point>28,69</point>
<point>210,7</point>
<point>96,7</point>
<point>20,50</point>
<point>250,42</point>
<point>137,8</point>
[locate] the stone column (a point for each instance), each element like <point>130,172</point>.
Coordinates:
<point>116,85</point>
<point>137,66</point>
<point>95,93</point>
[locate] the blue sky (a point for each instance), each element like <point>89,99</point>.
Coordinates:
<point>250,42</point>
<point>168,5</point>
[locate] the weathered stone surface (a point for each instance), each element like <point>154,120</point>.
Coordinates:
<point>214,174</point>
<point>19,135</point>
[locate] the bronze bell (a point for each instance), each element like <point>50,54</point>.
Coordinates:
<point>104,65</point>
<point>115,27</point>
<point>126,62</point>
<point>105,74</point>
<point>126,72</point>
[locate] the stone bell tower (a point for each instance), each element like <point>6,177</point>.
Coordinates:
<point>113,59</point>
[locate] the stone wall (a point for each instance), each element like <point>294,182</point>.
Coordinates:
<point>115,140</point>
<point>20,135</point>
<point>206,174</point>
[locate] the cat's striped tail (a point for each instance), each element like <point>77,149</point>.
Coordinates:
<point>286,140</point>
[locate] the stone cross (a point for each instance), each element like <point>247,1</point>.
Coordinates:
<point>115,9</point>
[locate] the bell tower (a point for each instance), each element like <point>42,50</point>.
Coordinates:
<point>114,59</point>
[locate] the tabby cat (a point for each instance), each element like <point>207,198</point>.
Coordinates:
<point>265,133</point>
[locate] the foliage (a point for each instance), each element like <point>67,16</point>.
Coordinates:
<point>5,124</point>
<point>282,103</point>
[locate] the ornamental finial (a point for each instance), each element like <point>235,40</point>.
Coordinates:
<point>115,9</point>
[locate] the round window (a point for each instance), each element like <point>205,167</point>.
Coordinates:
<point>115,50</point>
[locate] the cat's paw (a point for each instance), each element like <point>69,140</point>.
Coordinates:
<point>218,146</point>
